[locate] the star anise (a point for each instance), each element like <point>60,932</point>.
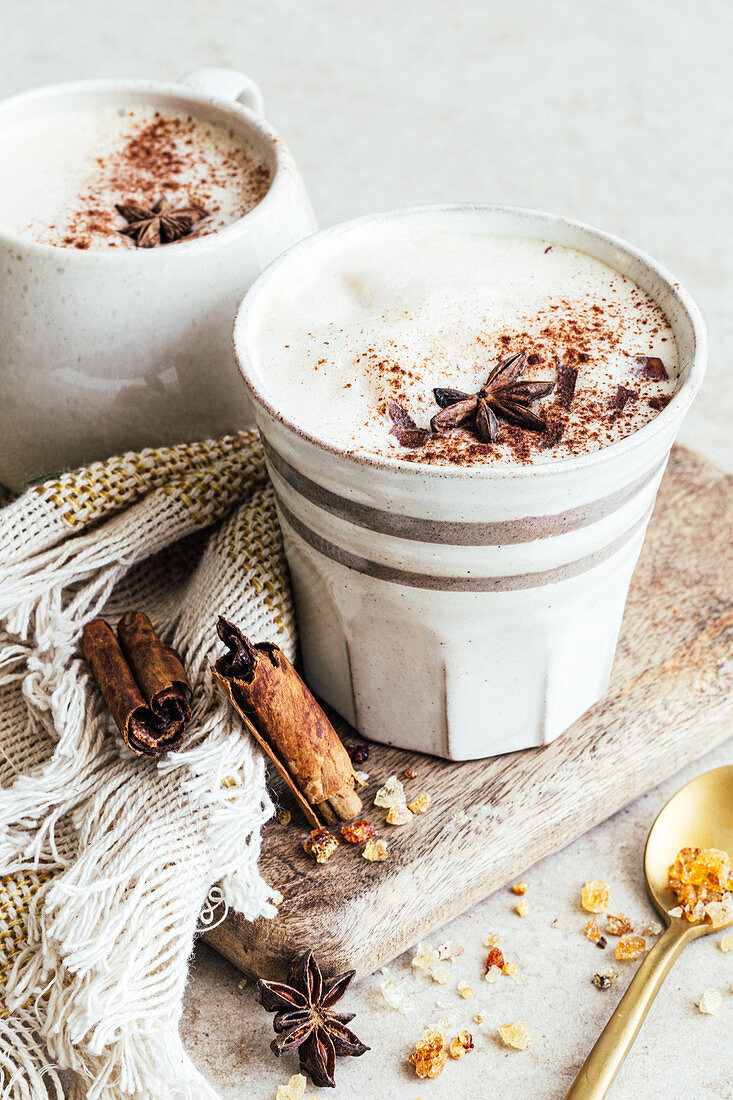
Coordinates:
<point>304,1020</point>
<point>158,224</point>
<point>502,397</point>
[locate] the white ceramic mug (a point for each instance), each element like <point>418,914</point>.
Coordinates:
<point>103,351</point>
<point>454,610</point>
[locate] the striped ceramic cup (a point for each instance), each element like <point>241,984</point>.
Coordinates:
<point>464,611</point>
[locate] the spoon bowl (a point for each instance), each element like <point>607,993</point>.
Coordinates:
<point>700,815</point>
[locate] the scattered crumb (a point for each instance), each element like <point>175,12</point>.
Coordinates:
<point>516,1035</point>
<point>710,1002</point>
<point>726,944</point>
<point>375,851</point>
<point>391,794</point>
<point>421,804</point>
<point>522,908</point>
<point>393,995</point>
<point>630,947</point>
<point>321,845</point>
<point>284,817</point>
<point>464,990</point>
<point>449,949</point>
<point>461,1045</point>
<point>511,970</point>
<point>478,1018</point>
<point>242,983</point>
<point>605,977</point>
<point>398,814</point>
<point>425,957</point>
<point>294,1090</point>
<point>429,1056</point>
<point>520,887</point>
<point>619,924</point>
<point>440,974</point>
<point>592,931</point>
<point>448,1021</point>
<point>595,896</point>
<point>494,959</point>
<point>355,832</point>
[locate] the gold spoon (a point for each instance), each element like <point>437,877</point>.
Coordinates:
<point>698,816</point>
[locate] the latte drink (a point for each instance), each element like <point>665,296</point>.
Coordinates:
<point>466,412</point>
<point>64,172</point>
<point>391,320</point>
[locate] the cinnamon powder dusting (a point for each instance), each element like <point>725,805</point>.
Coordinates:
<point>571,347</point>
<point>172,156</point>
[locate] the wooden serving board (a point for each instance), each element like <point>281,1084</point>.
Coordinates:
<point>670,701</point>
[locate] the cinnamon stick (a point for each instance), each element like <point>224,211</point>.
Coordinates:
<point>282,714</point>
<point>156,667</point>
<point>142,681</point>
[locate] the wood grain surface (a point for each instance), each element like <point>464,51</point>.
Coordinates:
<point>669,701</point>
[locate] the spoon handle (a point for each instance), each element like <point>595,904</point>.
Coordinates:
<point>615,1041</point>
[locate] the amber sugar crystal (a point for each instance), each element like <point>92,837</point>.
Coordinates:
<point>618,924</point>
<point>354,832</point>
<point>321,845</point>
<point>430,1055</point>
<point>595,896</point>
<point>375,851</point>
<point>398,814</point>
<point>421,804</point>
<point>461,1045</point>
<point>702,880</point>
<point>592,931</point>
<point>630,947</point>
<point>495,957</point>
<point>516,1035</point>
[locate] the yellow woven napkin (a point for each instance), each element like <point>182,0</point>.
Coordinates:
<point>106,860</point>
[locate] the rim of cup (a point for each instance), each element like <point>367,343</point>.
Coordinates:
<point>674,411</point>
<point>179,94</point>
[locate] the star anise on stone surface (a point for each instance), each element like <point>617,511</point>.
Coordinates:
<point>158,224</point>
<point>304,1020</point>
<point>502,397</point>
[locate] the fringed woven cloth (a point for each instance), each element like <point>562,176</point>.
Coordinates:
<point>108,861</point>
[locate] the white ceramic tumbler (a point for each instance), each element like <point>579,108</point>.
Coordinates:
<point>454,610</point>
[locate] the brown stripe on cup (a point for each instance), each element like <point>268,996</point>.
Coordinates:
<point>454,532</point>
<point>511,583</point>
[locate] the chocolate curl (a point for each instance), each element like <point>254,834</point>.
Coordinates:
<point>149,727</point>
<point>286,721</point>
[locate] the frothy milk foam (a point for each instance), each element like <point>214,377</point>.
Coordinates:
<point>388,319</point>
<point>63,171</point>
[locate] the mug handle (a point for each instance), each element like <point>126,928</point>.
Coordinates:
<point>222,83</point>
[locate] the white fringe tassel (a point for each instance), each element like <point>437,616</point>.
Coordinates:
<point>24,1071</point>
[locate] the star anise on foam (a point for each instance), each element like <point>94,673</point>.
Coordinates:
<point>304,1020</point>
<point>158,224</point>
<point>502,397</point>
